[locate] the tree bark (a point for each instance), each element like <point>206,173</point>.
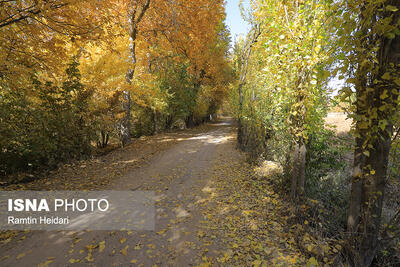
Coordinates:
<point>298,171</point>
<point>125,127</point>
<point>302,170</point>
<point>369,172</point>
<point>353,217</point>
<point>189,121</point>
<point>293,187</point>
<point>156,129</point>
<point>103,142</point>
<point>135,17</point>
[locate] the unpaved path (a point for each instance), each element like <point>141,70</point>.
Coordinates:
<point>180,175</point>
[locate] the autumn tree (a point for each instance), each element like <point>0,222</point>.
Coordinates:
<point>34,34</point>
<point>40,82</point>
<point>135,15</point>
<point>243,68</point>
<point>286,90</point>
<point>176,35</point>
<point>370,41</point>
<point>122,53</point>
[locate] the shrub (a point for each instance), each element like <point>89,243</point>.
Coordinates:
<point>327,177</point>
<point>45,124</point>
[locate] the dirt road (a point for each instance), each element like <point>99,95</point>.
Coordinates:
<point>180,175</point>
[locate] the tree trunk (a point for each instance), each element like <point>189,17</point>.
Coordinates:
<point>295,172</point>
<point>240,124</point>
<point>353,217</point>
<point>373,189</point>
<point>371,155</point>
<point>190,121</point>
<point>134,19</point>
<point>156,129</point>
<point>125,127</point>
<point>168,122</point>
<point>302,170</point>
<point>103,142</point>
<point>366,199</point>
<point>298,171</point>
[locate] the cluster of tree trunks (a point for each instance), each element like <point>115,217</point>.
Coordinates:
<point>104,138</point>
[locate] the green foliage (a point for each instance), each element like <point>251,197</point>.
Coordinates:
<point>368,38</point>
<point>184,95</point>
<point>285,89</point>
<point>176,82</point>
<point>45,124</point>
<point>325,152</point>
<point>372,91</point>
<point>143,123</point>
<point>327,177</point>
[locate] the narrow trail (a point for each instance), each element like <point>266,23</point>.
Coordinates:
<point>210,210</point>
<point>179,176</point>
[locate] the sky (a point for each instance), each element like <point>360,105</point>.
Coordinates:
<point>234,20</point>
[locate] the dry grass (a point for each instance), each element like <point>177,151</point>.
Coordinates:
<point>339,121</point>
